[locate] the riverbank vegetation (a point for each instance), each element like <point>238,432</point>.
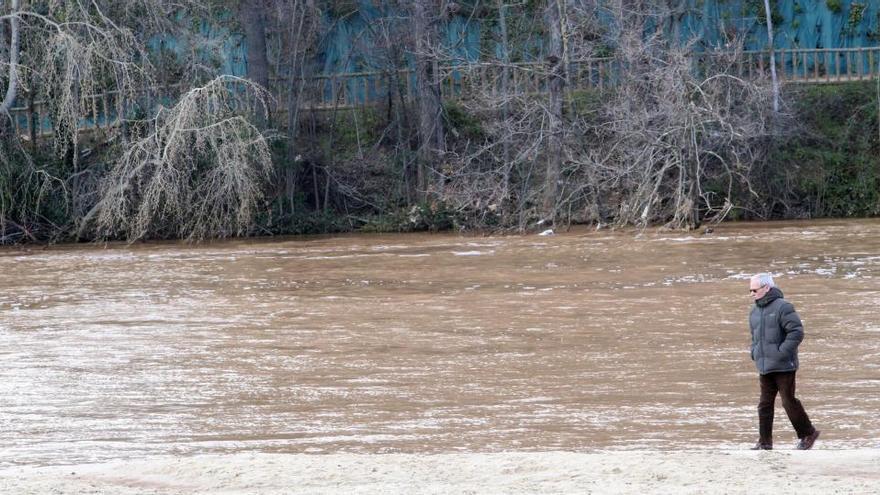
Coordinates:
<point>118,122</point>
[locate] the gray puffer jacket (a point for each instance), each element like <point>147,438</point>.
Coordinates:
<point>776,333</point>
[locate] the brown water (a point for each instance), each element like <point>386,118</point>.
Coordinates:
<point>429,343</point>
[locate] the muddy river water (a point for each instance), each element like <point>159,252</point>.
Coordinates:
<point>429,343</point>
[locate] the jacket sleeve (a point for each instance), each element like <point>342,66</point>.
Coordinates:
<point>791,324</point>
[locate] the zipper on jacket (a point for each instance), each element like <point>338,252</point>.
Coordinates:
<point>761,339</point>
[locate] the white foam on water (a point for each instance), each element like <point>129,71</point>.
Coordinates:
<point>384,247</point>
<point>676,239</point>
<point>473,253</point>
<point>344,256</point>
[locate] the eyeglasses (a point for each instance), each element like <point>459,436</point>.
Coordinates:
<point>754,291</point>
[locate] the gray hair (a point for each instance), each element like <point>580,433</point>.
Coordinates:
<point>764,279</point>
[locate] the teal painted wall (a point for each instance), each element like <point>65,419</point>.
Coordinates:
<point>799,24</point>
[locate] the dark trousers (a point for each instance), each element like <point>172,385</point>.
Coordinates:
<point>783,383</point>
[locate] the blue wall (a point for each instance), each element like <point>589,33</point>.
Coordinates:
<point>801,24</point>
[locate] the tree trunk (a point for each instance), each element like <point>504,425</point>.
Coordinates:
<point>556,67</point>
<point>428,94</point>
<point>293,166</point>
<point>294,71</point>
<point>772,56</point>
<point>505,76</point>
<point>12,87</point>
<point>675,12</point>
<point>253,21</point>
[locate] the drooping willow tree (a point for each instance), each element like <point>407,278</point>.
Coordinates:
<point>196,173</point>
<point>60,55</point>
<point>55,53</point>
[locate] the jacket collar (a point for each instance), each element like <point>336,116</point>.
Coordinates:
<point>773,294</point>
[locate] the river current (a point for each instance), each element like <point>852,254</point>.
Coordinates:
<point>581,341</point>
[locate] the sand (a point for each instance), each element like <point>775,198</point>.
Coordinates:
<point>618,472</point>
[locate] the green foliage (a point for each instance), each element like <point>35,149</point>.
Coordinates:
<point>351,130</point>
<point>336,9</point>
<point>523,32</point>
<point>33,203</point>
<point>461,123</point>
<point>394,221</point>
<point>835,6</point>
<point>838,182</point>
<point>534,7</point>
<point>302,222</point>
<point>834,168</point>
<point>434,216</point>
<point>756,8</point>
<point>603,50</point>
<point>856,15</point>
<point>586,102</point>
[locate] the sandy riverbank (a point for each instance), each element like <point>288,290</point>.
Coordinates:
<point>781,471</point>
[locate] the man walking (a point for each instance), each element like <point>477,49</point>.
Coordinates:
<point>776,333</point>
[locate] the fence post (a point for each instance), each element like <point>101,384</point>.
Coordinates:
<point>861,56</point>
<point>780,63</point>
<point>827,57</point>
<point>816,64</point>
<point>31,123</point>
<point>94,99</point>
<point>837,65</point>
<point>366,99</point>
<point>806,61</point>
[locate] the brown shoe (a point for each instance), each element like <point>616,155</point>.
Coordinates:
<point>763,446</point>
<point>807,442</point>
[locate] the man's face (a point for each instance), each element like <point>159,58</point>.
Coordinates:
<point>756,290</point>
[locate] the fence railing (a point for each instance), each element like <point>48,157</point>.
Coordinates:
<point>815,65</point>
<point>340,91</point>
<point>32,119</point>
<point>368,88</point>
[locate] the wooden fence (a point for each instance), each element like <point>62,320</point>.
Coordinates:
<point>816,65</point>
<point>339,91</point>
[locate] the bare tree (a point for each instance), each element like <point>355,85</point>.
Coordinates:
<point>198,173</point>
<point>557,56</point>
<point>64,53</point>
<point>672,141</point>
<point>505,80</point>
<point>669,129</point>
<point>769,14</point>
<point>89,60</point>
<point>252,17</point>
<point>290,29</point>
<point>12,79</point>
<point>431,141</point>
